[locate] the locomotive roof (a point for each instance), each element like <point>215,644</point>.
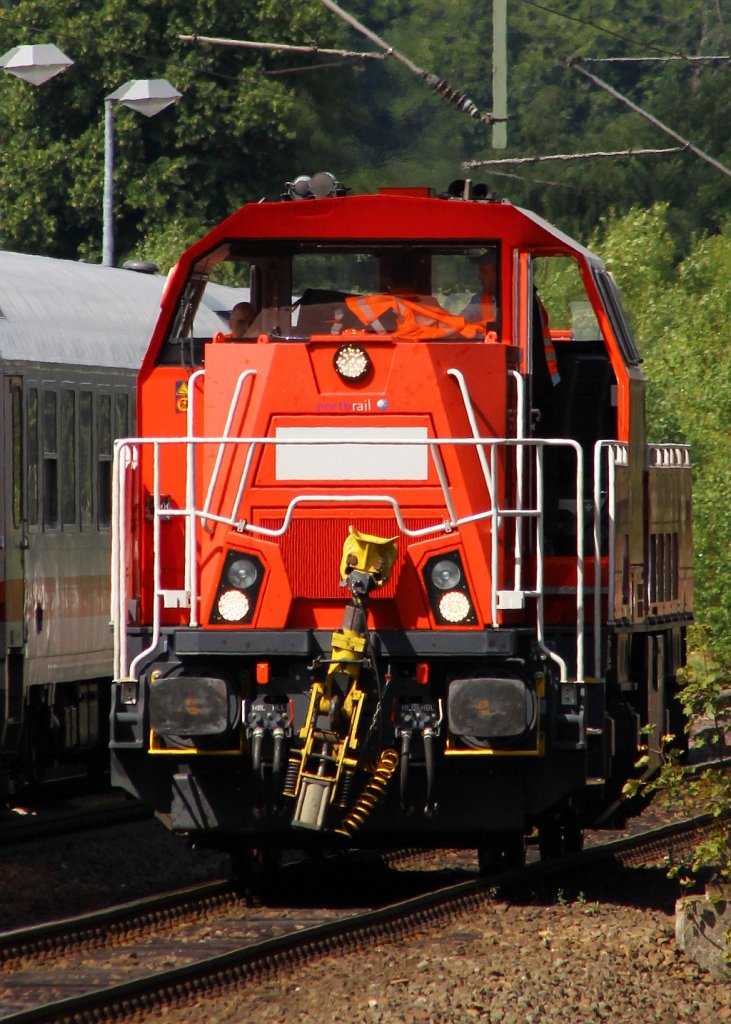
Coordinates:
<point>394,214</point>
<point>59,311</point>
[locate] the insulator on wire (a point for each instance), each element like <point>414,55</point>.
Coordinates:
<point>453,96</point>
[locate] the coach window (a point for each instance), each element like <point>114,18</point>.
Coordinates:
<point>17,454</point>
<point>86,464</point>
<point>104,459</point>
<point>50,458</point>
<point>32,435</point>
<point>68,458</point>
<point>121,415</point>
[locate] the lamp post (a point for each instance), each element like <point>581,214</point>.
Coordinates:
<point>35,64</point>
<point>40,62</point>
<point>148,97</point>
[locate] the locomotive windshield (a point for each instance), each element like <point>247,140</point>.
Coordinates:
<point>300,289</point>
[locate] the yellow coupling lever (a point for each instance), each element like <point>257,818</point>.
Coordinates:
<point>321,770</point>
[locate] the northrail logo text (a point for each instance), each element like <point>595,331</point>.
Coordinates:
<point>347,405</point>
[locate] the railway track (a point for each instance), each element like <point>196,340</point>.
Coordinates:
<point>80,814</point>
<point>167,950</point>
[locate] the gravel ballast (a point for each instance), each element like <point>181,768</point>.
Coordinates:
<point>604,951</point>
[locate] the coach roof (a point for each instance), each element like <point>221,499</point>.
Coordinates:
<point>58,311</point>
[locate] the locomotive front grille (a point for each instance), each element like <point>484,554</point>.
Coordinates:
<point>318,541</point>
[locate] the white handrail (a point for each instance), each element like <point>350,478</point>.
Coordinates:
<point>191,576</point>
<point>520,434</point>
<point>453,519</point>
<point>226,433</point>
<point>668,455</point>
<point>127,454</point>
<point>617,454</point>
<point>472,419</point>
<point>156,571</point>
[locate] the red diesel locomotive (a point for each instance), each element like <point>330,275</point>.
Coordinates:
<point>396,563</point>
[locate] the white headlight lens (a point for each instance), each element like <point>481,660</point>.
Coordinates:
<point>351,362</point>
<point>454,607</point>
<point>446,575</point>
<point>233,606</point>
<point>242,573</point>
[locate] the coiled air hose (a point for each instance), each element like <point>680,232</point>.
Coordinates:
<point>372,793</point>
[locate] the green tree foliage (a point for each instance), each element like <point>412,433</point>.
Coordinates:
<point>681,313</point>
<point>224,144</point>
<point>250,119</point>
<point>407,133</point>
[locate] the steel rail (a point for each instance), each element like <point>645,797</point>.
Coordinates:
<point>391,922</point>
<point>16,830</point>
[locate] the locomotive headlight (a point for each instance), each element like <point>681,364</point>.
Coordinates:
<point>449,595</point>
<point>454,607</point>
<point>242,573</point>
<point>446,575</point>
<point>351,362</point>
<point>239,588</point>
<point>233,606</point>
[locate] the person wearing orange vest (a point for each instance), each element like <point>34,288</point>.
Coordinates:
<point>483,306</point>
<point>548,348</point>
<point>411,318</point>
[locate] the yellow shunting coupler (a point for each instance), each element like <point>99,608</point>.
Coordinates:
<point>321,773</point>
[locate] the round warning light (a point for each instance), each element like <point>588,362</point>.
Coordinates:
<point>454,607</point>
<point>233,606</point>
<point>351,362</point>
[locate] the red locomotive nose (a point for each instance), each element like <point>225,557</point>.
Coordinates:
<point>394,558</point>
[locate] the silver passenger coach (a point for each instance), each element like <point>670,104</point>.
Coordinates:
<point>72,336</point>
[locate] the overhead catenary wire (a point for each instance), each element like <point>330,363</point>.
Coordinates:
<point>697,59</point>
<point>537,181</point>
<point>452,96</point>
<point>252,44</point>
<point>515,160</point>
<point>576,65</point>
<point>604,29</point>
<point>302,68</point>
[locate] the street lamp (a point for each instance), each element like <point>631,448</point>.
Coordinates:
<point>147,97</point>
<point>35,64</point>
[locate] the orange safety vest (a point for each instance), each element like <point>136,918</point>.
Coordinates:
<point>414,319</point>
<point>488,310</point>
<point>548,349</point>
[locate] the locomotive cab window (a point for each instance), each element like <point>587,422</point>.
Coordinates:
<point>568,346</point>
<point>298,289</point>
<point>574,388</point>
